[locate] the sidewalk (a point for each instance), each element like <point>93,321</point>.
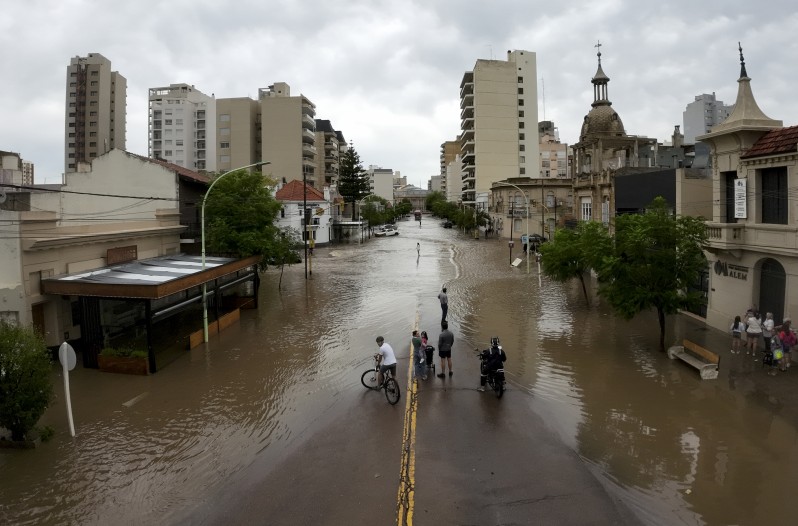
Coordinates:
<point>741,372</point>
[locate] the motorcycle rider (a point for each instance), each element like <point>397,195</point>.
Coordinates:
<point>492,360</point>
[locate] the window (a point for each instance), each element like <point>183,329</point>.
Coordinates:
<point>522,170</point>
<point>71,144</point>
<point>774,200</point>
<point>587,208</point>
<point>179,122</point>
<point>94,83</point>
<point>521,113</point>
<point>71,134</point>
<point>521,124</point>
<point>95,73</point>
<point>520,102</point>
<point>521,136</point>
<point>93,123</point>
<point>728,178</point>
<point>168,122</point>
<point>224,145</point>
<point>522,147</point>
<point>92,114</point>
<point>73,84</point>
<point>92,145</point>
<point>94,93</point>
<point>179,142</point>
<point>72,114</point>
<point>224,117</point>
<point>92,134</point>
<point>167,153</point>
<point>224,131</point>
<point>522,159</point>
<point>520,80</point>
<point>520,91</point>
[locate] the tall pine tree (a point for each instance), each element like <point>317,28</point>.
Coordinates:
<point>353,181</point>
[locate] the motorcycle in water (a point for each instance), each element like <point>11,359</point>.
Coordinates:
<point>491,367</point>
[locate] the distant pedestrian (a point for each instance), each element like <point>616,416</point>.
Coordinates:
<point>445,343</point>
<point>418,248</point>
<point>767,330</point>
<point>737,328</point>
<point>753,332</point>
<point>419,369</point>
<point>788,341</point>
<point>444,306</point>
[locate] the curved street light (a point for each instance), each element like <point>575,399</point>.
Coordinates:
<point>528,244</point>
<point>202,230</point>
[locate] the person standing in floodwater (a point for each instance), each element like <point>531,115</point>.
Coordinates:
<point>418,248</point>
<point>444,299</point>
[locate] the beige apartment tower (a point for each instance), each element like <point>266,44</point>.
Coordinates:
<point>499,119</point>
<point>95,110</point>
<point>288,133</point>
<point>237,133</point>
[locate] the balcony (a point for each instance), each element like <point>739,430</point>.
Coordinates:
<point>467,124</point>
<point>308,151</point>
<point>308,122</point>
<point>308,136</point>
<point>467,102</point>
<point>467,112</point>
<point>769,238</point>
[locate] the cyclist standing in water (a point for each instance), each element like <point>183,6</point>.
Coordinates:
<point>386,359</point>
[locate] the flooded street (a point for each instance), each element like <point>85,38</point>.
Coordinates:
<point>674,448</point>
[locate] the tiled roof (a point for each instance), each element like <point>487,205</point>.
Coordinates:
<point>781,140</point>
<point>292,191</point>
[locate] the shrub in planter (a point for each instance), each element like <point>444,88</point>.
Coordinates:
<point>25,383</point>
<point>123,360</point>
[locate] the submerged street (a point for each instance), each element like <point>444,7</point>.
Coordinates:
<point>269,424</point>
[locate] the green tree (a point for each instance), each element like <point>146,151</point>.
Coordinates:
<point>285,249</point>
<point>573,253</point>
<point>25,383</point>
<point>655,257</point>
<point>433,199</point>
<point>404,207</point>
<point>353,181</point>
<point>240,217</point>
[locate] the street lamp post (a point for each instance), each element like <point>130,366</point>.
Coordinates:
<point>512,224</point>
<point>202,236</point>
<point>511,243</point>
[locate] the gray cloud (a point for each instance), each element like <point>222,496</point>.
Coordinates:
<point>387,73</point>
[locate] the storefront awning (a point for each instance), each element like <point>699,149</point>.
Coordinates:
<point>146,279</point>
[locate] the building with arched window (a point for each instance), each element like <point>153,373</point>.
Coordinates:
<point>753,241</point>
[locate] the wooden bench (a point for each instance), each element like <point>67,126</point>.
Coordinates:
<point>706,361</point>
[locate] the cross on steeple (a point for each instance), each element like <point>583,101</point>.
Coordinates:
<point>598,46</point>
<point>742,62</point>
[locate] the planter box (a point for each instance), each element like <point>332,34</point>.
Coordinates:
<point>123,364</point>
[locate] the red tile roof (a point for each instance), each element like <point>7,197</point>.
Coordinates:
<point>292,191</point>
<point>781,140</point>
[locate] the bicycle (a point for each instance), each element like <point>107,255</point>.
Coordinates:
<point>391,386</point>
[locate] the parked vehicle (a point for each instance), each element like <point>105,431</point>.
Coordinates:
<point>447,224</point>
<point>386,230</point>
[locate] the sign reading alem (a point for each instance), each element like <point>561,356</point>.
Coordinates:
<point>740,210</point>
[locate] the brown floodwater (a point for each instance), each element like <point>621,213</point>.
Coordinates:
<point>675,449</point>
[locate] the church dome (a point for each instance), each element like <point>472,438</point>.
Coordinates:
<point>603,120</point>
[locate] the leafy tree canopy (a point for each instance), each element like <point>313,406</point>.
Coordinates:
<point>25,384</point>
<point>353,181</point>
<point>240,217</point>
<point>654,258</point>
<point>573,253</point>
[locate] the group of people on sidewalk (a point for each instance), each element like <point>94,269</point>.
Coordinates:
<point>778,339</point>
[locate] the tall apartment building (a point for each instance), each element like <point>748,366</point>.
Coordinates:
<point>328,154</point>
<point>450,150</point>
<point>553,153</point>
<point>237,133</point>
<point>499,118</point>
<point>382,182</point>
<point>288,133</point>
<point>702,114</point>
<point>95,109</point>
<point>182,127</point>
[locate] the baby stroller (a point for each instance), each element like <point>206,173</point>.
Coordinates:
<point>429,350</point>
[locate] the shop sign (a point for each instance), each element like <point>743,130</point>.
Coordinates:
<point>730,270</point>
<point>740,210</point>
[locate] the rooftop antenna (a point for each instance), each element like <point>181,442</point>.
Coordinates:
<point>543,88</point>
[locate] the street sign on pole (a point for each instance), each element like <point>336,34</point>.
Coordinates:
<point>66,355</point>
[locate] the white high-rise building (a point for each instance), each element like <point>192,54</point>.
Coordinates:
<point>499,112</point>
<point>182,127</point>
<point>95,110</point>
<point>702,114</point>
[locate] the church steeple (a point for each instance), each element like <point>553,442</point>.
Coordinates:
<point>600,80</point>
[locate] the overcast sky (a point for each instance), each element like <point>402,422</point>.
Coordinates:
<point>387,73</point>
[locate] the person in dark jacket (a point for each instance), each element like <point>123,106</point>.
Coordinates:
<point>492,360</point>
<point>445,342</point>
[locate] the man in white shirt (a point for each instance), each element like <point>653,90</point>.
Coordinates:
<point>387,359</point>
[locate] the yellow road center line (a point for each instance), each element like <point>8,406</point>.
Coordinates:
<point>407,476</point>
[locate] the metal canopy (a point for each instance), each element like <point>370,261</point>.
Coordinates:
<point>146,279</point>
